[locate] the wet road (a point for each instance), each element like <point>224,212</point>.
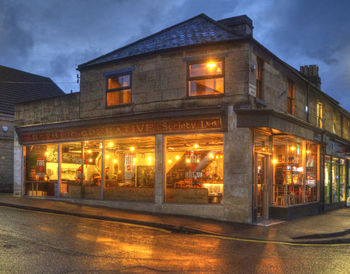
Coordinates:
<point>35,242</point>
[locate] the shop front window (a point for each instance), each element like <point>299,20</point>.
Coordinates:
<point>327,180</point>
<point>81,170</point>
<point>335,180</point>
<point>41,170</point>
<point>129,169</point>
<point>342,180</point>
<point>295,171</point>
<point>194,169</point>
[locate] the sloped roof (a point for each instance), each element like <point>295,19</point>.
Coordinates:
<point>17,86</point>
<point>198,30</point>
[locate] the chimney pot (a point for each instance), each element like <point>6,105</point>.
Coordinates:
<point>311,73</point>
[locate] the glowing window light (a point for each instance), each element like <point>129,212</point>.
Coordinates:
<point>195,145</point>
<point>149,159</point>
<point>211,65</point>
<point>132,148</point>
<point>134,159</point>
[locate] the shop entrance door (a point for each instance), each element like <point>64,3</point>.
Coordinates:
<point>261,190</point>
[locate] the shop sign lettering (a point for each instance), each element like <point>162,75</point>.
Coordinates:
<point>125,129</point>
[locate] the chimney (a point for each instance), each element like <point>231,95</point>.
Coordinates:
<point>311,73</point>
<point>241,25</point>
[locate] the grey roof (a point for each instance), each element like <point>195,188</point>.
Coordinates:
<point>195,31</point>
<point>17,86</point>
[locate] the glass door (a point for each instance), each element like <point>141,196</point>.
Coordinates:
<point>261,187</point>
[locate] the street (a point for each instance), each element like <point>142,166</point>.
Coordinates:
<point>36,242</point>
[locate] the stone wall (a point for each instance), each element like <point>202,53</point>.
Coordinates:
<point>275,85</point>
<point>159,82</point>
<point>6,152</point>
<point>56,109</point>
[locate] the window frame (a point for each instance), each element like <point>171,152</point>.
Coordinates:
<point>319,114</point>
<point>291,100</point>
<point>203,61</point>
<point>259,78</point>
<point>118,89</point>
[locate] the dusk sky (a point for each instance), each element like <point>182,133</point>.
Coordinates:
<point>52,37</point>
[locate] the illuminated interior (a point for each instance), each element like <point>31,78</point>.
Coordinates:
<point>206,78</point>
<point>194,168</point>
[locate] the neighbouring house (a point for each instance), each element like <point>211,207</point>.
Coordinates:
<point>17,86</point>
<point>198,119</point>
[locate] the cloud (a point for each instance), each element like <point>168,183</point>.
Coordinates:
<point>15,41</point>
<point>53,37</point>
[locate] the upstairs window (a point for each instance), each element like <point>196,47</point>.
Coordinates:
<point>118,89</point>
<point>334,127</point>
<point>319,113</point>
<point>206,78</point>
<point>291,98</point>
<point>259,79</point>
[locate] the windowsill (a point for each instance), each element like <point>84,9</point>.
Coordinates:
<point>119,106</point>
<point>260,102</point>
<point>206,96</point>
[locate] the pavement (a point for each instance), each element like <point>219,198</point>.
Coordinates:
<point>330,228</point>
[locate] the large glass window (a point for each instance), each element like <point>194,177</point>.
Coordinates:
<point>129,169</point>
<point>81,169</point>
<point>295,171</point>
<point>194,169</point>
<point>327,180</point>
<point>335,180</point>
<point>119,89</point>
<point>206,78</point>
<point>41,170</point>
<point>342,180</point>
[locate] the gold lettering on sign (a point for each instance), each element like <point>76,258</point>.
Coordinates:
<point>127,129</point>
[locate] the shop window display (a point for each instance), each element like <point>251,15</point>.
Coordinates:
<point>129,169</point>
<point>41,170</point>
<point>335,180</point>
<point>295,171</point>
<point>194,169</point>
<point>342,180</point>
<point>327,180</point>
<point>81,169</point>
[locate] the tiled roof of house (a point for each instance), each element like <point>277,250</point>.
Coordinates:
<point>18,86</point>
<point>195,31</point>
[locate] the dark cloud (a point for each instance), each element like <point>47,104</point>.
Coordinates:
<point>53,37</point>
<point>15,41</point>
